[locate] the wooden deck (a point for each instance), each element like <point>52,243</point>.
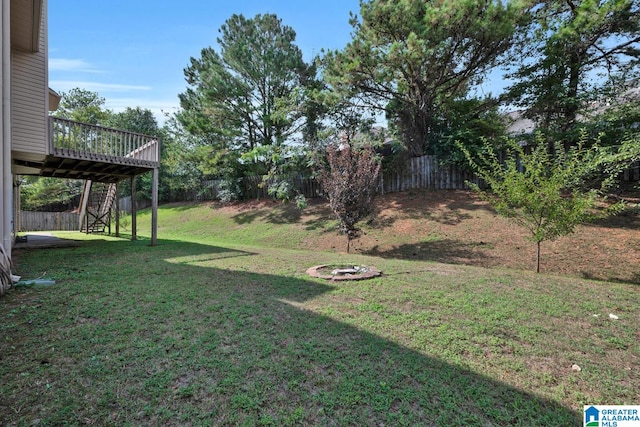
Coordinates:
<point>82,151</point>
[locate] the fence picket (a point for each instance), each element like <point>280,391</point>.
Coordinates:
<point>48,221</point>
<point>421,173</point>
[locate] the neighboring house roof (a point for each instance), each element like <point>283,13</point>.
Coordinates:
<point>518,124</point>
<point>628,96</point>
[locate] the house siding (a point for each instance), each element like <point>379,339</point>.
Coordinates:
<point>5,141</point>
<point>30,97</point>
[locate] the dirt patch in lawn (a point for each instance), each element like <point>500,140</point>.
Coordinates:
<point>458,227</point>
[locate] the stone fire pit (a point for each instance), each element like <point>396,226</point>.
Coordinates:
<point>343,272</point>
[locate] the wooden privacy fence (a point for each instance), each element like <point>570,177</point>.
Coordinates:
<point>633,173</point>
<point>421,173</point>
<point>253,187</point>
<point>49,221</point>
<point>125,204</point>
<point>426,173</point>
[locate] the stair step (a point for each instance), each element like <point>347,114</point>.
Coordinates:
<point>101,197</point>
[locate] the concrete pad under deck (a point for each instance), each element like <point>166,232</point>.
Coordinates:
<point>44,240</point>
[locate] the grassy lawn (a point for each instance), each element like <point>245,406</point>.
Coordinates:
<point>220,325</point>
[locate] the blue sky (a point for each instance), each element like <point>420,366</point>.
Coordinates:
<point>133,52</point>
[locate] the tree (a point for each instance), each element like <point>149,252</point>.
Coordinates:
<point>138,120</point>
<point>52,193</point>
<point>583,51</point>
<point>465,121</point>
<point>78,105</point>
<point>344,117</point>
<point>234,94</point>
<point>183,164</point>
<point>349,180</point>
<point>83,106</point>
<point>412,58</point>
<point>612,161</point>
<point>539,190</point>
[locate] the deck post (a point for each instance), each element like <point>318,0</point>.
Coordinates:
<point>154,208</point>
<point>117,212</point>
<point>134,227</point>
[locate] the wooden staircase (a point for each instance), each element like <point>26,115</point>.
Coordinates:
<point>95,206</point>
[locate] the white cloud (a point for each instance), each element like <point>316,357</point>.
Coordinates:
<point>78,65</point>
<point>130,96</point>
<point>157,106</point>
<point>66,85</point>
<point>119,104</point>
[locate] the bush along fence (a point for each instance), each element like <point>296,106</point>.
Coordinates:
<point>422,173</point>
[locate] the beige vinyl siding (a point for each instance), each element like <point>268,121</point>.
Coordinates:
<point>22,15</point>
<point>29,97</point>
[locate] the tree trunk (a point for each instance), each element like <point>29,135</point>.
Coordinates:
<point>538,258</point>
<point>571,104</point>
<point>414,125</point>
<point>348,243</point>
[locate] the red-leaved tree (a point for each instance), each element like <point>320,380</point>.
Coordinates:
<point>349,179</point>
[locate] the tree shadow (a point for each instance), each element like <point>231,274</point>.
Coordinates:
<point>179,206</point>
<point>446,251</point>
<point>453,218</point>
<point>322,224</point>
<point>634,280</point>
<point>281,213</point>
<point>416,203</point>
<point>450,218</point>
<point>231,347</point>
<point>628,218</point>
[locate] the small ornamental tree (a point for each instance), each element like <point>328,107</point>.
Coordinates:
<point>540,191</point>
<point>349,179</point>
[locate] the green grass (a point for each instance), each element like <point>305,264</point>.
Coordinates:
<point>219,325</point>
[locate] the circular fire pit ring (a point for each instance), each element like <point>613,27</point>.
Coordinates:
<point>343,272</point>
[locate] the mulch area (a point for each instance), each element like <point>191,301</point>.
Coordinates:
<point>458,227</point>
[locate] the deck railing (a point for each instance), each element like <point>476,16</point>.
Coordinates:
<point>82,141</point>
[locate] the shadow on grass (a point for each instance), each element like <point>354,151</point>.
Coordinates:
<point>179,206</point>
<point>184,332</point>
<point>446,251</point>
<point>282,213</point>
<point>634,280</point>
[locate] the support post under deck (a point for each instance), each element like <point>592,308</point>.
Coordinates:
<point>154,208</point>
<point>117,212</point>
<point>134,208</point>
